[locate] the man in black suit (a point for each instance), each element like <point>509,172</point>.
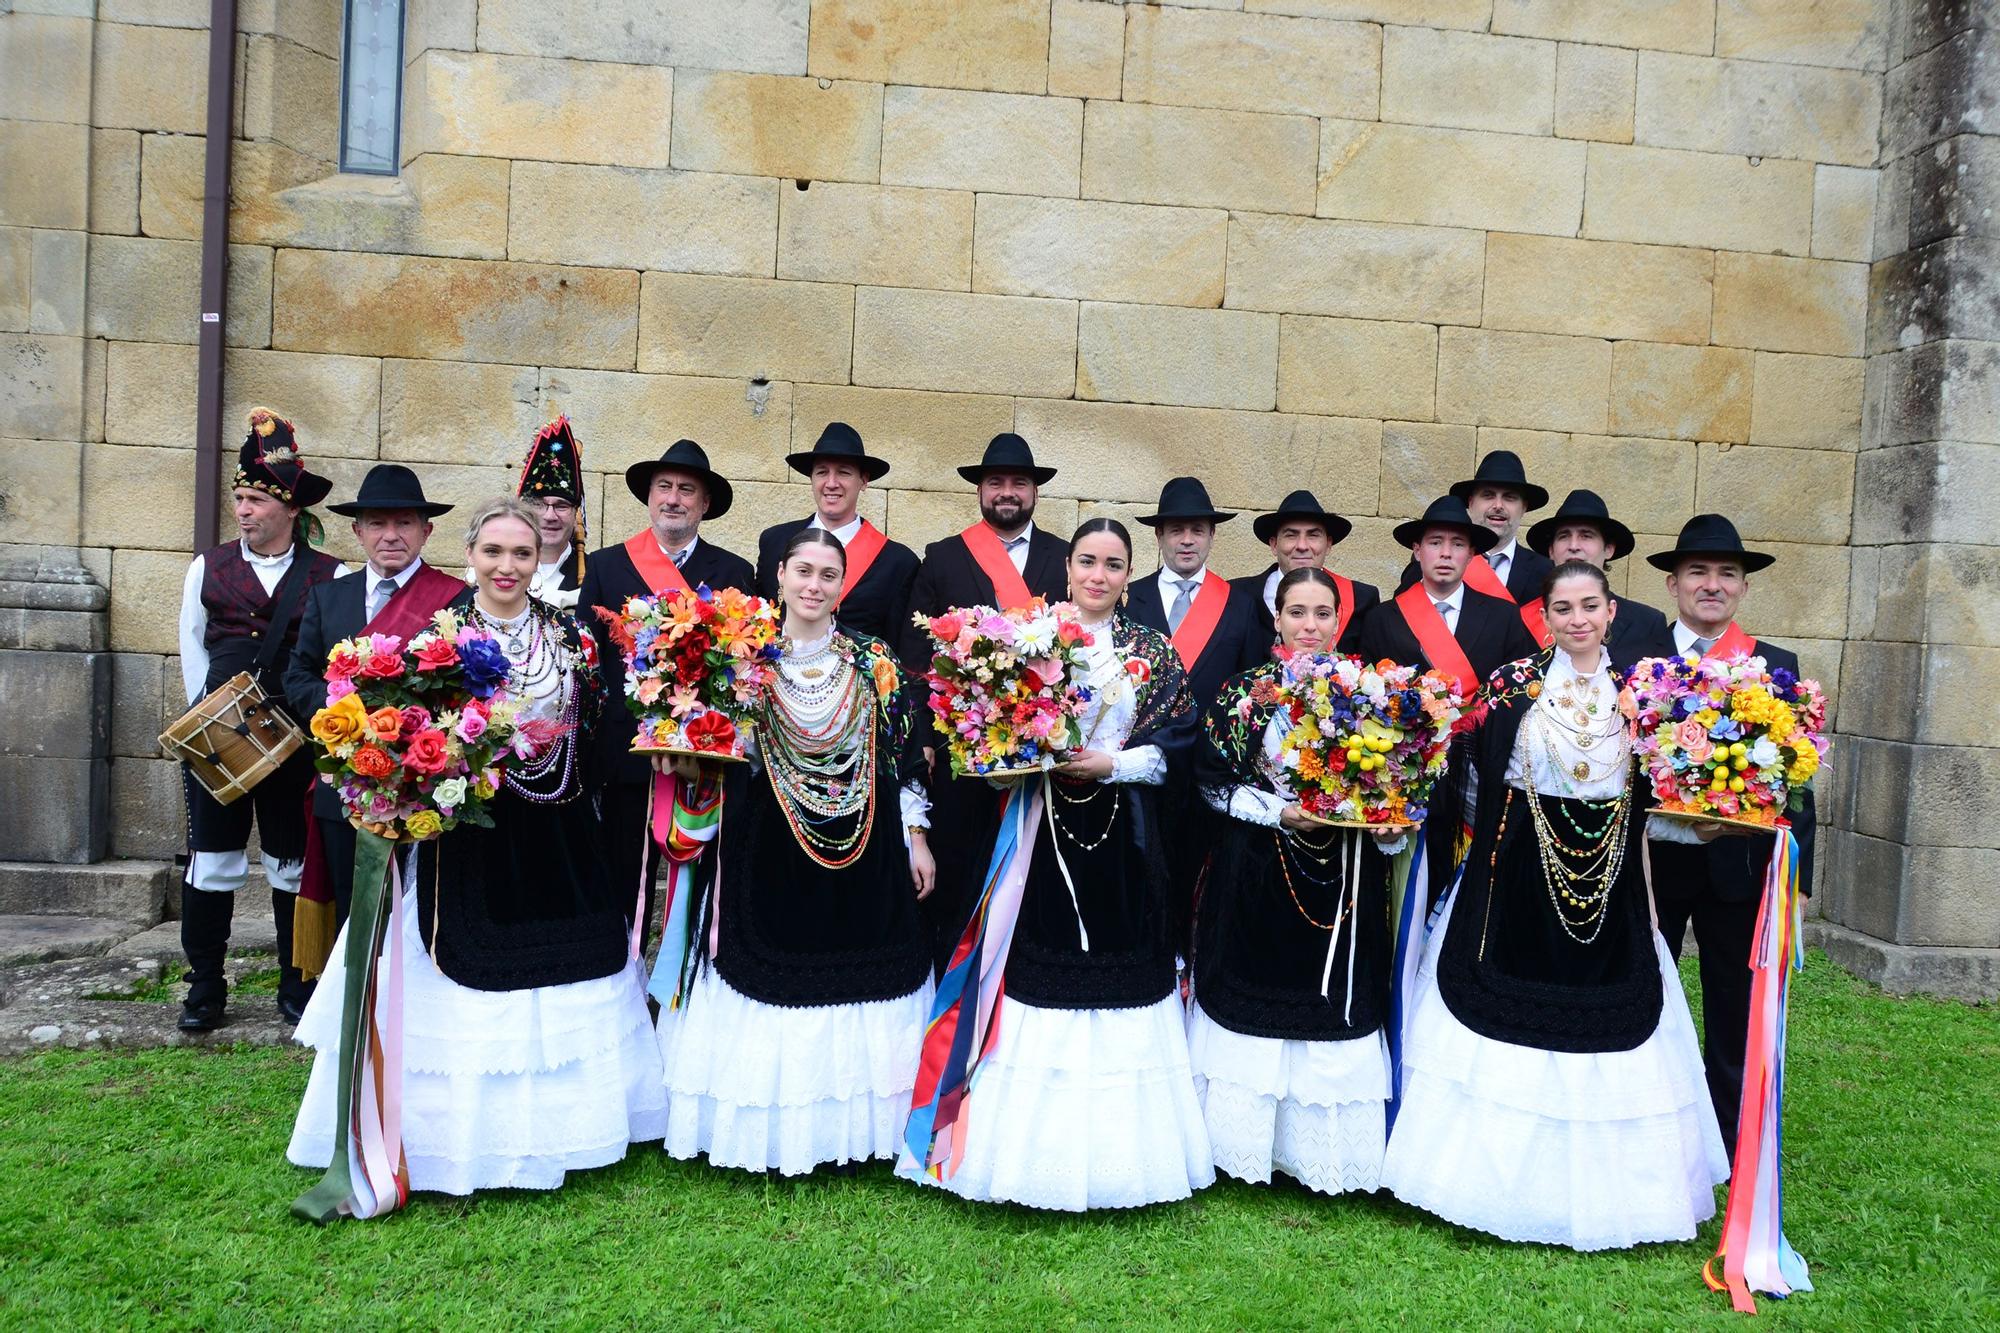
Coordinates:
<point>1224,636</point>
<point>1582,529</point>
<point>1498,495</point>
<point>1002,560</point>
<point>1300,532</point>
<point>876,598</point>
<point>1716,881</point>
<point>679,490</point>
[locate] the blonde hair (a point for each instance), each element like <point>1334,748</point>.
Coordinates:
<point>502,506</point>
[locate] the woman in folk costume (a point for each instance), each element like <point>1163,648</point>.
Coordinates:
<point>552,485</point>
<point>794,1041</point>
<point>1291,964</point>
<point>1553,1086</point>
<point>1084,1098</point>
<point>527,1048</point>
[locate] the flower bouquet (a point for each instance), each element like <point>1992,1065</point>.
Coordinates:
<point>1005,687</point>
<point>1728,740</point>
<point>1367,743</point>
<point>695,664</point>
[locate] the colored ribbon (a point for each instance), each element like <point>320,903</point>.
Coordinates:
<point>682,820</point>
<point>1754,1252</point>
<point>1409,893</point>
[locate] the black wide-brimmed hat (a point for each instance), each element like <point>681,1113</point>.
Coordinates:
<point>1184,498</point>
<point>1502,467</point>
<point>1710,534</point>
<point>269,461</point>
<point>1582,507</point>
<point>1007,452</point>
<point>682,456</point>
<point>390,486</point>
<point>1302,504</point>
<point>839,443</point>
<point>1447,511</point>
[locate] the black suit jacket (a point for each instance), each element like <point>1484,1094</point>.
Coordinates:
<point>1489,632</point>
<point>1366,599</point>
<point>609,580</point>
<point>949,577</point>
<point>878,606</point>
<point>1237,644</point>
<point>1637,631</point>
<point>1525,573</point>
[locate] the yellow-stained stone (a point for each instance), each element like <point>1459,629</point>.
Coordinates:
<point>949,139</point>
<point>109,516</point>
<point>1001,45</point>
<point>145,78</point>
<point>485,105</point>
<point>1645,483</point>
<point>684,221</point>
<point>1420,461</point>
<point>44,175</point>
<point>770,125</point>
<point>1851,33</point>
<point>1468,80</point>
<point>882,235</point>
<point>1532,380</point>
<point>114,180</point>
<point>150,291</point>
<point>41,492</point>
<point>1360,270</point>
<point>47,63</point>
<point>1595,87</point>
<point>1086,48</point>
<point>1602,289</point>
<point>1357,368</point>
<point>1184,155</point>
<point>456,309</point>
<point>1682,393</point>
<point>923,436</point>
<point>146,590</point>
<point>171,183</point>
<point>745,327</point>
<point>42,387</point>
<point>1758,109</point>
<point>766,36</point>
<point>964,342</point>
<point>1469,14</point>
<point>1798,495</point>
<point>1666,197</point>
<point>1844,213</point>
<point>1663,25</point>
<point>625,419</point>
<point>464,412</point>
<point>283,94</point>
<point>335,401</point>
<point>1175,355</point>
<point>1807,402</point>
<point>1777,304</point>
<point>1252,62</point>
<point>1099,251</point>
<point>1450,178</point>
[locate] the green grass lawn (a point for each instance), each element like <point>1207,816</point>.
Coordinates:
<point>151,1189</point>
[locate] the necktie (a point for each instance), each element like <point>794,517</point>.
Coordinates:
<point>1017,548</point>
<point>1182,601</point>
<point>680,556</point>
<point>1703,645</point>
<point>1499,563</point>
<point>1450,615</point>
<point>384,590</point>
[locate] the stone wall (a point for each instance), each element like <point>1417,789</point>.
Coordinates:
<point>1345,244</point>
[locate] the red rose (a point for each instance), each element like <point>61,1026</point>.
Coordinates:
<point>384,666</point>
<point>711,733</point>
<point>372,761</point>
<point>436,654</point>
<point>341,664</point>
<point>425,752</point>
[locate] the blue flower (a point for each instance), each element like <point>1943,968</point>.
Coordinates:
<point>485,666</point>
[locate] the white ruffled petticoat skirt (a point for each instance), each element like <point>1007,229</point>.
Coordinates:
<point>1592,1150</point>
<point>1311,1109</point>
<point>773,1087</point>
<point>1083,1108</point>
<point>501,1089</point>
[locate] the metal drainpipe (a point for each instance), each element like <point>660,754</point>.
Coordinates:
<point>214,275</point>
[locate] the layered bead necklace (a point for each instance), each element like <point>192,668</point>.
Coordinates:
<point>541,666</point>
<point>1571,721</point>
<point>819,742</point>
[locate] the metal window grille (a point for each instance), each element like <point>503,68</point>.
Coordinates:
<point>371,87</point>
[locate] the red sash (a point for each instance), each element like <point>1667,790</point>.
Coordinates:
<point>1201,619</point>
<point>1538,623</point>
<point>861,553</point>
<point>1733,640</point>
<point>1440,649</point>
<point>654,565</point>
<point>1344,590</point>
<point>428,592</point>
<point>1479,576</point>
<point>1010,590</point>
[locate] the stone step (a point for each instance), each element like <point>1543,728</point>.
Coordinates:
<point>41,939</point>
<point>247,934</point>
<point>136,892</point>
<point>68,1004</point>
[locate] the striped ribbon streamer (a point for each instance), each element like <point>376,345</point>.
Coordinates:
<point>1409,891</point>
<point>683,819</point>
<point>1754,1252</point>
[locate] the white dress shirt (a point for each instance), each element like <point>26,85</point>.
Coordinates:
<point>1017,549</point>
<point>1170,588</point>
<point>1502,559</point>
<point>1685,639</point>
<point>1449,607</point>
<point>846,532</point>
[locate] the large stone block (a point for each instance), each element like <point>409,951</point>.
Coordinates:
<point>17,248</point>
<point>1938,492</point>
<point>1926,795</point>
<point>148,812</point>
<point>1182,155</point>
<point>1358,270</point>
<point>48,61</point>
<point>111,519</point>
<point>1943,290</point>
<point>334,401</point>
<point>114,181</point>
<point>1357,368</point>
<point>150,291</point>
<point>1757,109</point>
<point>1193,358</point>
<point>964,342</point>
<point>881,235</point>
<point>461,412</point>
<point>172,184</point>
<point>140,79</point>
<point>1777,304</point>
<point>1933,391</point>
<point>146,593</point>
<point>1849,33</point>
<point>285,92</point>
<point>1663,197</point>
<point>1844,213</point>
<point>1450,178</point>
<point>1952,190</point>
<point>44,174</point>
<point>458,309</point>
<point>1807,402</point>
<point>1420,461</point>
<point>1886,676</point>
<point>1682,393</point>
<point>1252,62</point>
<point>627,419</point>
<point>55,809</point>
<point>1531,380</point>
<point>1086,48</point>
<point>953,140</point>
<point>41,387</point>
<point>144,699</point>
<point>926,436</point>
<point>1892,208</point>
<point>1595,88</point>
<point>55,291</point>
<point>1099,251</point>
<point>1602,289</point>
<point>1002,46</point>
<point>745,327</point>
<point>1800,495</point>
<point>682,221</point>
<point>1664,25</point>
<point>41,490</point>
<point>1426,74</point>
<point>765,36</point>
<point>770,125</point>
<point>1946,90</point>
<point>484,105</point>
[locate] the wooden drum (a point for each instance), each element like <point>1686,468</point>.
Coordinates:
<point>234,738</point>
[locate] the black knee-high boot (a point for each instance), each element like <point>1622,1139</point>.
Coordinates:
<point>205,917</point>
<point>293,989</point>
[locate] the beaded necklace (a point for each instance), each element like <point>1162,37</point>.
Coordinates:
<point>1579,877</point>
<point>541,663</point>
<point>819,739</point>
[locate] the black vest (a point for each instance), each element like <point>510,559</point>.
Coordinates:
<point>239,611</point>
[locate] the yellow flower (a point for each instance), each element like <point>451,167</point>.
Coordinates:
<point>1805,763</point>
<point>423,824</point>
<point>340,723</point>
